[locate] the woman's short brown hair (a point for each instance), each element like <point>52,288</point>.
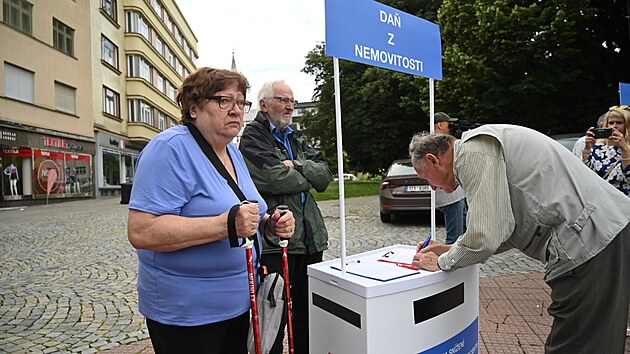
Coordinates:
<point>204,82</point>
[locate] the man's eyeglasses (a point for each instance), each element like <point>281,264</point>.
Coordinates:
<point>285,100</point>
<point>226,102</point>
<point>625,106</point>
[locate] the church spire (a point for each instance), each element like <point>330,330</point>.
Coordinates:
<point>233,62</point>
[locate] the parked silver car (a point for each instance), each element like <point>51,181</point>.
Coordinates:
<point>402,191</point>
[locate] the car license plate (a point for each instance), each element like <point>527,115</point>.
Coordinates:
<point>417,189</point>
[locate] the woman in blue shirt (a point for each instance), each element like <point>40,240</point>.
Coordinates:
<point>610,158</point>
<point>192,286</point>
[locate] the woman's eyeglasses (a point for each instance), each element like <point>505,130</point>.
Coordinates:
<point>226,102</point>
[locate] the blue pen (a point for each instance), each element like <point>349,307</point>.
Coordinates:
<point>426,242</point>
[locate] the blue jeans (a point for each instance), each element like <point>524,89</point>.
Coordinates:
<point>455,220</point>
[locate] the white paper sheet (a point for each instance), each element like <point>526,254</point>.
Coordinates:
<point>370,267</point>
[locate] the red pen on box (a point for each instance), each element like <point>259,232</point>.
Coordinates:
<point>400,264</point>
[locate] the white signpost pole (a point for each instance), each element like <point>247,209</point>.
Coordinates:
<point>390,39</point>
<point>432,130</point>
<point>342,203</point>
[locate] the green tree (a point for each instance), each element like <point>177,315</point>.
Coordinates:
<point>376,123</point>
<point>552,65</point>
<point>380,108</point>
<point>535,63</point>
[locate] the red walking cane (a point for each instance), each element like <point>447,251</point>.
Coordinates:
<point>284,242</point>
<point>251,275</point>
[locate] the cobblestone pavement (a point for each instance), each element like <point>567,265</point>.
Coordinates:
<point>69,274</point>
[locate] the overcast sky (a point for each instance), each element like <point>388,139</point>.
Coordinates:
<point>270,38</point>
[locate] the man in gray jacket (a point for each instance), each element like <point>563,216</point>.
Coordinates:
<point>284,167</point>
<point>527,191</point>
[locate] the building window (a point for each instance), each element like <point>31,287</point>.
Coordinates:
<point>63,37</point>
<point>146,116</point>
<point>168,22</point>
<point>173,123</point>
<point>172,92</point>
<point>140,111</point>
<point>109,52</point>
<point>179,37</point>
<point>157,6</point>
<point>78,174</point>
<point>18,14</point>
<point>19,83</point>
<point>111,102</point>
<point>160,83</point>
<point>159,46</point>
<point>111,168</point>
<point>109,6</point>
<point>161,121</point>
<point>170,58</point>
<point>137,24</point>
<point>65,98</point>
<point>139,67</point>
<point>145,69</point>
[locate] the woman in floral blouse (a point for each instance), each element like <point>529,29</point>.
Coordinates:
<point>610,158</point>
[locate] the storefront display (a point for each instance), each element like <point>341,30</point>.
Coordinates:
<point>40,166</point>
<point>115,162</point>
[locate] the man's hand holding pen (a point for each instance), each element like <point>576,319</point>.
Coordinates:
<point>427,254</point>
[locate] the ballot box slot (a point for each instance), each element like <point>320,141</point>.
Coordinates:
<point>437,304</point>
<point>337,310</point>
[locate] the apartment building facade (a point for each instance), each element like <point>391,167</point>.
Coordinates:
<point>46,130</point>
<point>142,51</point>
<point>85,87</point>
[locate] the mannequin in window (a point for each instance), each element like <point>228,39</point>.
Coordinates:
<point>12,172</point>
<point>75,181</point>
<point>69,181</point>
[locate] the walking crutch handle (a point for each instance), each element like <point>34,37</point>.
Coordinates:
<point>251,277</point>
<point>284,242</point>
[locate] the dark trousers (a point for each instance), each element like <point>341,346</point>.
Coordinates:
<point>225,337</point>
<point>590,303</point>
<point>298,280</point>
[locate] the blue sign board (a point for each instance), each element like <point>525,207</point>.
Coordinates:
<point>624,93</point>
<point>368,32</point>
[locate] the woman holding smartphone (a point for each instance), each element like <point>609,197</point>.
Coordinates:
<point>607,150</point>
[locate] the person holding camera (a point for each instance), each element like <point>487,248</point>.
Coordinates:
<point>607,150</point>
<point>579,145</point>
<point>452,205</point>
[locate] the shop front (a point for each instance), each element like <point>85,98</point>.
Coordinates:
<point>39,166</point>
<point>115,163</point>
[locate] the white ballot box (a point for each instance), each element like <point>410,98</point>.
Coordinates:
<point>382,306</point>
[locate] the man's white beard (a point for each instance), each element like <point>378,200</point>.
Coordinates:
<point>284,123</point>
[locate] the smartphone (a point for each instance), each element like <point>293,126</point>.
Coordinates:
<point>602,133</point>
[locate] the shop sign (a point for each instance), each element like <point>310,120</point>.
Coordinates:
<point>124,144</point>
<point>17,152</point>
<point>48,154</point>
<point>77,157</point>
<point>60,143</point>
<point>8,136</point>
<point>117,143</point>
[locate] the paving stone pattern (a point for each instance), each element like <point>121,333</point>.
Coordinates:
<point>68,279</point>
<point>69,274</point>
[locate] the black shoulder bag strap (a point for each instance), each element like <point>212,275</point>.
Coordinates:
<point>214,159</point>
